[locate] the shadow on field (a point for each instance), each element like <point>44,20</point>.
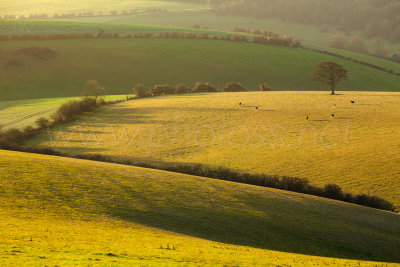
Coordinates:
<point>242,215</point>
<point>302,225</point>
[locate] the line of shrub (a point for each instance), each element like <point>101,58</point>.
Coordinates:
<point>293,184</point>
<point>12,139</point>
<point>200,87</point>
<point>66,112</point>
<point>272,39</point>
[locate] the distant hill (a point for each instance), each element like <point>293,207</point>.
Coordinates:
<point>375,18</point>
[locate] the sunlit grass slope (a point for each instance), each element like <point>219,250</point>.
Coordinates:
<point>28,7</point>
<point>121,63</point>
<point>21,113</point>
<point>67,212</point>
<point>358,149</point>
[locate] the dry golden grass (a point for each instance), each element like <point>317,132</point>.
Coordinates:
<point>60,211</point>
<point>358,149</point>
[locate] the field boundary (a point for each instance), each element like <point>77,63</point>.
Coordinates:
<point>285,183</point>
<point>13,140</point>
<point>229,36</point>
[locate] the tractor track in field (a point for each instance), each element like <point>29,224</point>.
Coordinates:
<point>27,117</point>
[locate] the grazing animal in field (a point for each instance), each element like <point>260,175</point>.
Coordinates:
<point>240,104</point>
<point>353,102</point>
<point>256,108</point>
<point>334,105</point>
<point>332,115</point>
<point>307,118</point>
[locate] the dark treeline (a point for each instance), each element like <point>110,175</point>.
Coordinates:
<point>199,87</point>
<point>375,18</point>
<point>293,184</point>
<point>265,37</point>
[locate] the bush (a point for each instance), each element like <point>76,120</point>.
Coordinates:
<point>182,89</point>
<point>333,191</point>
<point>234,87</point>
<point>73,108</point>
<point>93,88</point>
<point>162,89</point>
<point>29,131</point>
<point>265,87</point>
<point>42,123</point>
<point>139,91</point>
<point>12,136</point>
<point>202,87</point>
<point>373,202</point>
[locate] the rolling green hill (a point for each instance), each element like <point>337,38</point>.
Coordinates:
<point>121,63</point>
<point>65,211</point>
<point>185,18</point>
<point>212,129</point>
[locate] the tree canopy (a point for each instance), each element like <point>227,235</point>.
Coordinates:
<point>330,73</point>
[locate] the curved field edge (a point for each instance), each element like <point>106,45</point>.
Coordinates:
<point>308,34</point>
<point>9,27</point>
<point>37,186</point>
<point>211,129</point>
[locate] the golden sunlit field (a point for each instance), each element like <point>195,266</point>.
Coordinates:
<point>356,149</point>
<point>199,133</point>
<point>59,211</point>
<point>29,7</point>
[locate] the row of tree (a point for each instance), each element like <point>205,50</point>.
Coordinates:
<point>200,87</point>
<point>375,18</point>
<point>357,44</point>
<point>271,39</point>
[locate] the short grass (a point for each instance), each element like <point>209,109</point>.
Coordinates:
<point>58,211</point>
<point>121,63</point>
<point>21,113</point>
<point>28,7</point>
<point>357,149</point>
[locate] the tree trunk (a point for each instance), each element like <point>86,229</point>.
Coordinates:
<point>332,90</point>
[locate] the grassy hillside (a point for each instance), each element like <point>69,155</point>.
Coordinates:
<point>185,18</point>
<point>22,113</point>
<point>28,7</point>
<point>121,63</point>
<point>212,129</point>
<point>60,211</point>
<point>310,35</point>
